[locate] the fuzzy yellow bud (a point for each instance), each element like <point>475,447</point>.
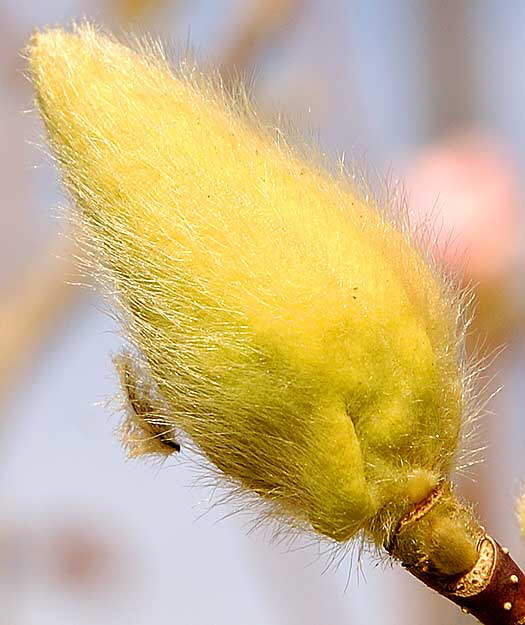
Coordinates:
<point>280,320</point>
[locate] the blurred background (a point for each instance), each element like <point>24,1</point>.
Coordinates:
<point>428,92</point>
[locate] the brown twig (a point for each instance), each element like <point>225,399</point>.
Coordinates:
<point>266,21</point>
<point>493,590</point>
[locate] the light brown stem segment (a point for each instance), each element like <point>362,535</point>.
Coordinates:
<point>493,590</point>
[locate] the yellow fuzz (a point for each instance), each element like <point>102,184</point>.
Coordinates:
<point>453,544</point>
<point>280,321</point>
<point>419,484</point>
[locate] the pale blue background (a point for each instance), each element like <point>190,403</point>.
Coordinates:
<point>360,69</point>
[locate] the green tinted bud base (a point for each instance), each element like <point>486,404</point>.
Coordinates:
<point>440,534</point>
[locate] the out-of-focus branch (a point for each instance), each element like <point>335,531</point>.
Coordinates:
<point>134,10</point>
<point>31,310</point>
<point>450,65</point>
<point>267,20</point>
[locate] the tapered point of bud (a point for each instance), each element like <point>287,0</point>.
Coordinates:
<point>48,50</point>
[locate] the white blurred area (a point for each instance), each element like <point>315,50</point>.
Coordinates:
<point>89,539</point>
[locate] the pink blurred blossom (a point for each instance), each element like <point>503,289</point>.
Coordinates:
<point>466,187</point>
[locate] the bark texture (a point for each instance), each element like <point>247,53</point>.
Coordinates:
<point>493,590</point>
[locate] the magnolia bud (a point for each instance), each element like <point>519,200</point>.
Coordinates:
<point>281,322</point>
